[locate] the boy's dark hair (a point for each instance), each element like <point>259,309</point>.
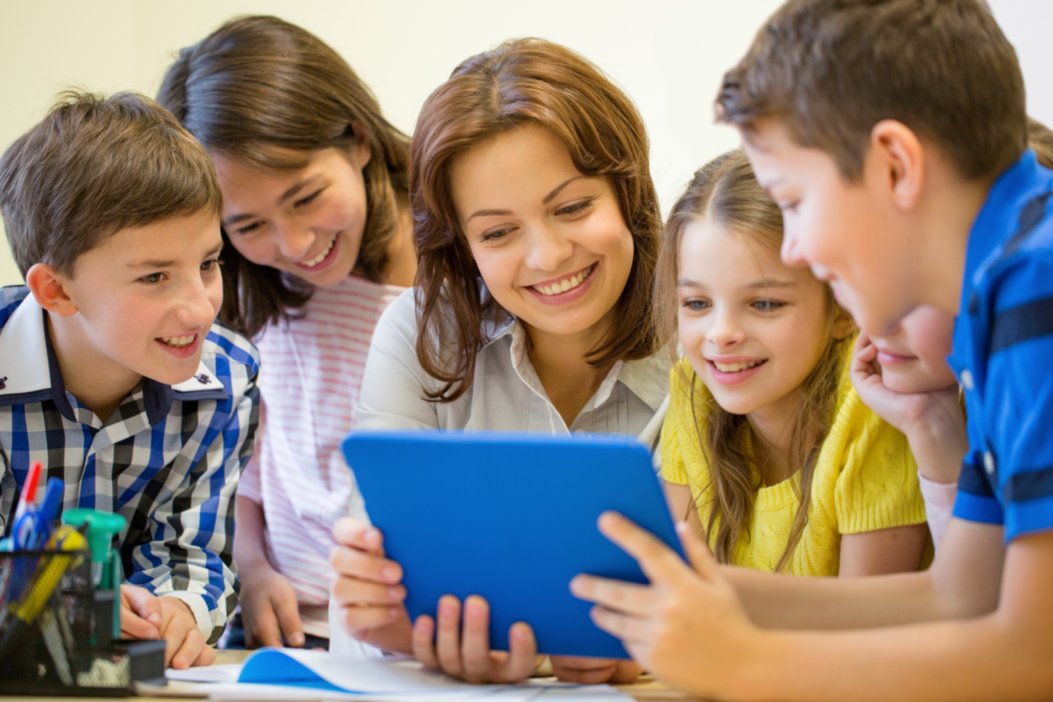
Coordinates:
<point>96,165</point>
<point>829,70</point>
<point>267,94</point>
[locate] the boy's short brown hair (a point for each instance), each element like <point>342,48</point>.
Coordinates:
<point>94,166</point>
<point>830,70</point>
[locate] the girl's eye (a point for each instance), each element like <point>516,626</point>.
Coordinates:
<point>308,199</point>
<point>575,207</point>
<point>695,305</point>
<point>248,228</point>
<point>211,265</point>
<point>152,278</point>
<point>767,305</point>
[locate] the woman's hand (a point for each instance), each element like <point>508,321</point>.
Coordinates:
<point>369,587</point>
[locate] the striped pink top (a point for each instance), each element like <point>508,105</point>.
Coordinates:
<point>310,375</point>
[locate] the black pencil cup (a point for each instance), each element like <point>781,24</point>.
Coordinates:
<point>56,631</point>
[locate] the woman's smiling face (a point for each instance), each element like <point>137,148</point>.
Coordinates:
<point>549,242</point>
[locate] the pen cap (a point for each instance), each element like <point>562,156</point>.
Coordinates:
<point>102,527</point>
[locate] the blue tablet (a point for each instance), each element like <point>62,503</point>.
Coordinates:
<point>510,517</point>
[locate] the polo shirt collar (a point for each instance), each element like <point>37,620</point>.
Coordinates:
<point>990,230</point>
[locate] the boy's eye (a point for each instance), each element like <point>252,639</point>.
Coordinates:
<point>308,199</point>
<point>767,305</point>
<point>575,207</point>
<point>152,278</point>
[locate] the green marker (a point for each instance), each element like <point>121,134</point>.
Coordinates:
<point>102,528</point>
<point>105,562</point>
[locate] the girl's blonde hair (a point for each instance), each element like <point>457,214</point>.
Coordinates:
<point>727,191</point>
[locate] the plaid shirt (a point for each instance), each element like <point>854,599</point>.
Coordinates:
<point>168,458</point>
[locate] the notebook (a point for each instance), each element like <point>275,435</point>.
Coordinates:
<point>510,517</point>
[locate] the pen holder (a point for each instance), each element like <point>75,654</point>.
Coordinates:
<point>56,631</point>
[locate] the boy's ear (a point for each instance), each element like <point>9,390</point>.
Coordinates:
<point>49,288</point>
<point>844,326</point>
<point>900,158</point>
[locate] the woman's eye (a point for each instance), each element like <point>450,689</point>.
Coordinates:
<point>575,207</point>
<point>494,234</point>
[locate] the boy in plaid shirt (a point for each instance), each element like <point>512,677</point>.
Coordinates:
<point>113,373</point>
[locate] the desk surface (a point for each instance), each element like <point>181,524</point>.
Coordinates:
<point>647,690</point>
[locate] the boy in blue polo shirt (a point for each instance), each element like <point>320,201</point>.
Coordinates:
<point>892,133</point>
<point>113,374</point>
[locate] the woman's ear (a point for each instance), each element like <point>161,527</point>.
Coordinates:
<point>897,158</point>
<point>49,288</point>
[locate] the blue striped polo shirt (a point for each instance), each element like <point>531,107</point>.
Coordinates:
<point>1003,340</point>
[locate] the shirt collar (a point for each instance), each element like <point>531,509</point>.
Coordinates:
<point>647,378</point>
<point>25,343</point>
<point>991,228</point>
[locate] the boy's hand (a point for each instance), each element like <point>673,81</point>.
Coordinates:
<point>269,609</point>
<point>140,613</point>
<point>687,626</point>
<point>469,657</point>
<point>933,422</point>
<point>147,616</point>
<point>369,588</point>
<point>185,645</point>
<point>595,671</point>
<point>905,411</point>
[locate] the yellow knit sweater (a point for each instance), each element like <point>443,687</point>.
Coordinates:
<point>865,479</point>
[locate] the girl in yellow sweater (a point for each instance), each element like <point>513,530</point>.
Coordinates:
<point>767,449</point>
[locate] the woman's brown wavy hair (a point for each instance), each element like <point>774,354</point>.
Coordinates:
<point>726,191</point>
<point>523,81</point>
<point>267,94</point>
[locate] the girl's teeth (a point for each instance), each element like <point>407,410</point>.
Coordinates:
<point>320,257</point>
<point>564,285</point>
<point>735,367</point>
<point>179,341</point>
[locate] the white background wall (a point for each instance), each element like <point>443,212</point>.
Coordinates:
<point>668,55</point>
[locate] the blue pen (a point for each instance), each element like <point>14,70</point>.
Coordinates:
<point>50,509</point>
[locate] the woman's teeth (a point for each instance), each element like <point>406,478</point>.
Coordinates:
<point>566,284</point>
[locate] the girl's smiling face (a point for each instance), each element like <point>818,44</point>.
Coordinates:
<point>549,242</point>
<point>308,222</point>
<point>752,328</point>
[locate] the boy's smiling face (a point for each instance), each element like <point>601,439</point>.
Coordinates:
<point>845,231</point>
<point>140,304</point>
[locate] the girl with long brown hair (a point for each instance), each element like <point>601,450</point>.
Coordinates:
<point>317,239</point>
